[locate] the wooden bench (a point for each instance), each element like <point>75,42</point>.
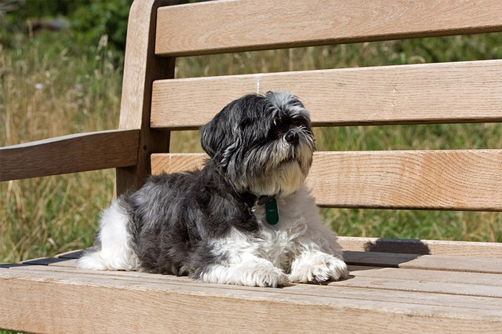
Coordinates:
<point>395,285</point>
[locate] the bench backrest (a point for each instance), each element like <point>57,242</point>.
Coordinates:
<point>154,103</point>
<point>391,95</point>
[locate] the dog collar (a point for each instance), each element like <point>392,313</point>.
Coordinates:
<point>271,210</point>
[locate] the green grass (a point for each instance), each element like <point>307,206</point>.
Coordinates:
<point>48,89</point>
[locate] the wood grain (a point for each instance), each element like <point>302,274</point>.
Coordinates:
<point>428,275</point>
<point>405,94</point>
<point>442,180</point>
<point>428,281</point>
<point>429,262</point>
<point>406,246</point>
<point>177,162</point>
<point>423,247</point>
<point>387,278</point>
<point>474,270</point>
<point>121,303</point>
<point>141,68</point>
<point>69,154</point>
<point>230,26</point>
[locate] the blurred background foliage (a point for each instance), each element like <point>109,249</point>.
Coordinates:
<point>86,21</point>
<point>61,64</point>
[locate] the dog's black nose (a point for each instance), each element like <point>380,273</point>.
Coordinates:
<point>292,137</point>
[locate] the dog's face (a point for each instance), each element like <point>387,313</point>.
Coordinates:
<point>262,144</point>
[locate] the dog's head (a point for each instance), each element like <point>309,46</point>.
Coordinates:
<point>262,144</point>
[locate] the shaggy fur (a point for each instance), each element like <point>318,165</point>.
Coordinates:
<point>211,224</point>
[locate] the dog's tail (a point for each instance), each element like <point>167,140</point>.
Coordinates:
<point>113,249</point>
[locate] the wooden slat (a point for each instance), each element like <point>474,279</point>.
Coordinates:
<point>406,246</point>
<point>443,180</point>
<point>430,262</point>
<point>177,162</point>
<point>428,281</point>
<point>462,269</point>
<point>294,293</point>
<point>120,302</point>
<point>468,264</point>
<point>69,154</point>
<point>424,247</point>
<point>141,68</point>
<point>268,24</point>
<point>48,261</point>
<point>428,275</point>
<point>424,280</point>
<point>471,283</point>
<point>74,254</point>
<point>405,94</point>
<point>415,285</point>
<point>460,179</point>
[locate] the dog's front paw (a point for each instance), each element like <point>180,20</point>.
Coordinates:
<point>269,277</point>
<point>252,273</point>
<point>317,267</point>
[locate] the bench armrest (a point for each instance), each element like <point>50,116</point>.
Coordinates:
<point>70,154</point>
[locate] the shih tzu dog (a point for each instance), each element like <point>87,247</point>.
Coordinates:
<point>246,218</point>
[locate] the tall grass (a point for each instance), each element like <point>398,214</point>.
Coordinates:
<point>48,89</point>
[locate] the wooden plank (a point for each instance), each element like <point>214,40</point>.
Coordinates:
<point>324,294</point>
<point>177,162</point>
<point>69,154</point>
<point>457,179</point>
<point>468,265</point>
<point>74,254</point>
<point>369,271</point>
<point>406,246</point>
<point>141,68</point>
<point>415,285</point>
<point>405,94</point>
<point>424,247</point>
<point>443,180</point>
<point>117,305</point>
<point>428,281</point>
<point>424,275</point>
<point>468,283</point>
<point>49,261</point>
<point>270,24</point>
<point>430,262</point>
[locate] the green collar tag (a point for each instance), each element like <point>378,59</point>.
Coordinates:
<point>272,212</point>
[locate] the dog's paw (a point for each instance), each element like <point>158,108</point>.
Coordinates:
<point>268,277</point>
<point>252,273</point>
<point>317,267</point>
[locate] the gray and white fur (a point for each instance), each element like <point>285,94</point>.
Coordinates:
<point>210,224</point>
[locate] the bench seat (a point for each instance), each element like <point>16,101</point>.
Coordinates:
<point>385,291</point>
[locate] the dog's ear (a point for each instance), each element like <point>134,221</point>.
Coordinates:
<point>217,135</point>
<point>225,134</point>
